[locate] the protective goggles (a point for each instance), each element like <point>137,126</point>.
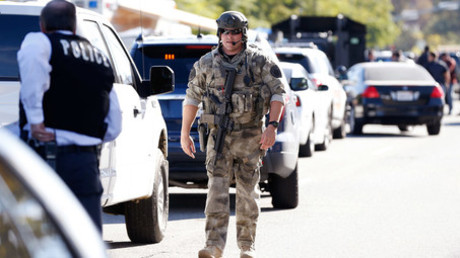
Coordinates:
<point>232,32</point>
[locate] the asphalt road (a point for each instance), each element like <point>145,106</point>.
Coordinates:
<point>383,194</point>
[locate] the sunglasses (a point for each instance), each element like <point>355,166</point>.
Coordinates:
<point>232,32</point>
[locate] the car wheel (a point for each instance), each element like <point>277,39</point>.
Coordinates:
<point>284,191</point>
<point>327,136</point>
<point>356,127</point>
<point>341,131</point>
<point>308,148</point>
<point>146,219</point>
<point>434,128</point>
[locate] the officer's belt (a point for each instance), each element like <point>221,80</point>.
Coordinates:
<point>212,121</point>
<point>77,148</point>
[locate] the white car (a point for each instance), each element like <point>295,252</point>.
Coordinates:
<point>31,224</point>
<point>134,169</point>
<point>315,126</point>
<point>318,66</point>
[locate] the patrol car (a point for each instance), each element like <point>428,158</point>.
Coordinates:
<point>279,170</point>
<point>134,167</point>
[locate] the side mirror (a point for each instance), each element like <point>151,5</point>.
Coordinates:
<point>162,80</point>
<point>323,88</point>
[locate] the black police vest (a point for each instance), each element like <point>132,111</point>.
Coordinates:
<point>81,80</point>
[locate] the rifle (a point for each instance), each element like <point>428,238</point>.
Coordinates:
<point>222,114</point>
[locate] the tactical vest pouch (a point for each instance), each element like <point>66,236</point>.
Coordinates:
<point>242,102</point>
<point>203,134</point>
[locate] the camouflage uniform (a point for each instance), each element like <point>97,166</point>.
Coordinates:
<point>256,84</point>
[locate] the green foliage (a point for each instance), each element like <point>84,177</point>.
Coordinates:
<point>375,14</point>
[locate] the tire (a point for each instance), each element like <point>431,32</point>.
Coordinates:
<point>356,127</point>
<point>341,131</point>
<point>327,136</point>
<point>434,129</point>
<point>146,219</point>
<point>284,191</point>
<point>308,148</point>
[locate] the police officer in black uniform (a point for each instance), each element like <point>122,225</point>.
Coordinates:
<point>68,107</point>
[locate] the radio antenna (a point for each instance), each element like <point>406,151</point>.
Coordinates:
<point>141,39</point>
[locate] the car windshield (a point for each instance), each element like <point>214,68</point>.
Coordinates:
<point>13,28</point>
<point>397,73</point>
<point>295,58</point>
<point>180,58</point>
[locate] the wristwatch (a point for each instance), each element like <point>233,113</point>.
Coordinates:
<point>274,123</point>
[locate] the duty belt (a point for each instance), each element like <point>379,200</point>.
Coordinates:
<point>210,120</point>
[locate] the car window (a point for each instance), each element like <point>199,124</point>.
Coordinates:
<point>179,58</point>
<point>13,29</point>
<point>26,229</point>
<point>296,58</point>
<point>121,61</point>
<point>93,34</point>
<point>397,73</point>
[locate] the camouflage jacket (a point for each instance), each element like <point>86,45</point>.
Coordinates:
<point>257,83</point>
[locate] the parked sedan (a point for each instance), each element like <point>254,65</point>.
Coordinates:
<point>314,120</point>
<point>393,93</point>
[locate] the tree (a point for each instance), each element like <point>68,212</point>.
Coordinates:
<point>375,14</point>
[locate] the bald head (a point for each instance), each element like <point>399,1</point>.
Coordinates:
<point>58,15</point>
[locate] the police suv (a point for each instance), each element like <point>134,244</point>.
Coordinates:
<point>134,169</point>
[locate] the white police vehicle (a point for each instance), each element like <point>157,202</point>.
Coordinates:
<point>320,69</point>
<point>134,169</point>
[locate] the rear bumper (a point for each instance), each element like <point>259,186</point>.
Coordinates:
<point>409,115</point>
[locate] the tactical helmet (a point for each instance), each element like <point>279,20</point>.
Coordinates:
<point>232,20</point>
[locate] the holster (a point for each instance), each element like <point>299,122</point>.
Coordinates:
<point>46,150</point>
<point>203,134</point>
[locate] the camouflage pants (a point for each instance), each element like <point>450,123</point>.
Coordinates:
<point>239,164</point>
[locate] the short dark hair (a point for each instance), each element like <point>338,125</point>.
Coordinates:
<point>59,15</point>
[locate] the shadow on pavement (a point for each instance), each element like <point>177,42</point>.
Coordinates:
<point>383,135</point>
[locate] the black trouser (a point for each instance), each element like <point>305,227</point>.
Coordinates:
<point>79,169</point>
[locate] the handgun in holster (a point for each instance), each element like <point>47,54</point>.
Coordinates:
<point>46,150</point>
<point>203,134</point>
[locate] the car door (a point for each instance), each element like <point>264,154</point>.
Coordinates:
<point>134,148</point>
<point>123,161</point>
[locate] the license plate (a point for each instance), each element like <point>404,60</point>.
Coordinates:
<point>404,95</point>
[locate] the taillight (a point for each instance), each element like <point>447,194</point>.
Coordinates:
<point>371,93</point>
<point>437,93</point>
<point>297,101</point>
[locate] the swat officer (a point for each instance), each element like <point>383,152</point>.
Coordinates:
<point>257,90</point>
<point>67,101</point>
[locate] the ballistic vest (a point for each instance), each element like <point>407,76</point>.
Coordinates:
<point>80,82</point>
<point>250,97</point>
